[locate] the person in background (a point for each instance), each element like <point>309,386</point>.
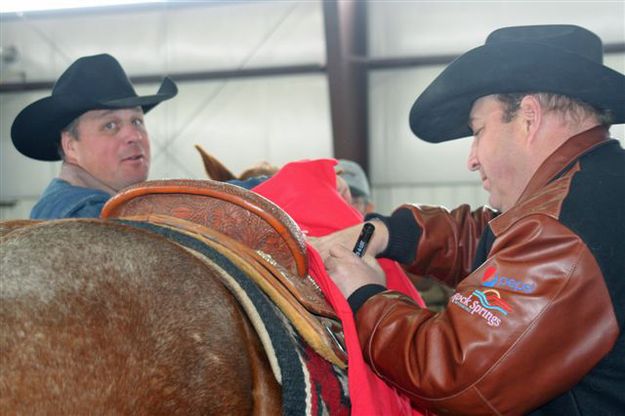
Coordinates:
<point>356,179</point>
<point>433,291</point>
<point>94,122</point>
<point>535,325</point>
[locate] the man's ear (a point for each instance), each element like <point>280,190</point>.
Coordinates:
<point>531,114</point>
<point>68,144</point>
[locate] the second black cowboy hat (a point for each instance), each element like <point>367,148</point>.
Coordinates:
<point>91,83</point>
<point>560,59</point>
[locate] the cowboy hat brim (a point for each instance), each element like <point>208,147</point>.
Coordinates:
<point>37,128</point>
<point>441,112</point>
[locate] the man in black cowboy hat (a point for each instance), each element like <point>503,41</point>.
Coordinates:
<point>536,322</point>
<point>93,122</point>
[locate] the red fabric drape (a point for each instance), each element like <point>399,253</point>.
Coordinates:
<point>306,190</point>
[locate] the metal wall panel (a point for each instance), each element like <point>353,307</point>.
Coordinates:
<point>423,27</point>
<point>389,198</point>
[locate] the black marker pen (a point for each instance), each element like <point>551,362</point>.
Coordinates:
<point>363,239</point>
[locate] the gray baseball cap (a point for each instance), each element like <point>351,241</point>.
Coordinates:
<point>355,177</point>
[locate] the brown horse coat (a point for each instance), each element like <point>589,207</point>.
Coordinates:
<point>101,318</point>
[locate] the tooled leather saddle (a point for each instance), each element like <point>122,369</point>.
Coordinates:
<point>251,231</point>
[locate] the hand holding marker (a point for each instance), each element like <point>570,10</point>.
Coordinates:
<point>363,239</point>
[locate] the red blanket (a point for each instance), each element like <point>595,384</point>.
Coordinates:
<point>306,190</point>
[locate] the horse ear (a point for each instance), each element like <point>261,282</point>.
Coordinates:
<point>214,168</point>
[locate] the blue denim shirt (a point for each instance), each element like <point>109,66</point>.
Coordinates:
<point>63,200</point>
<point>248,183</point>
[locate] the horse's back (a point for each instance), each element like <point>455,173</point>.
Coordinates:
<point>103,318</point>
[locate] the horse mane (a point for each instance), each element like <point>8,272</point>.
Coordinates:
<point>217,171</point>
<point>260,169</point>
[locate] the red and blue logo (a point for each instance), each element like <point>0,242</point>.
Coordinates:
<point>485,304</point>
<point>492,279</point>
<point>491,299</point>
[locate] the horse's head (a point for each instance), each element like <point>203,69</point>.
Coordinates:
<point>216,170</point>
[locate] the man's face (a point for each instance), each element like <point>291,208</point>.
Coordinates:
<point>498,152</point>
<point>112,145</point>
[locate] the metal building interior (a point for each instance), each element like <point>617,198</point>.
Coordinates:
<point>288,80</point>
<point>277,81</point>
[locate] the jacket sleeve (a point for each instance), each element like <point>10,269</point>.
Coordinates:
<point>434,241</point>
<point>521,329</point>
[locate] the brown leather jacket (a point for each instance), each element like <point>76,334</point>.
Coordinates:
<point>532,317</point>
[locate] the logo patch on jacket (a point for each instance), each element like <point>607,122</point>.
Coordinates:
<point>492,279</point>
<point>486,304</point>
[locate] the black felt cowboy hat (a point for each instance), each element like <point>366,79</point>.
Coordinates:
<point>560,59</point>
<point>91,83</point>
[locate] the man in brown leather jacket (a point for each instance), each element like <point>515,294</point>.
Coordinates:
<point>535,324</point>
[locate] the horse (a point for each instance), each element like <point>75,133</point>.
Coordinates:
<point>217,171</point>
<point>107,316</point>
<point>98,318</point>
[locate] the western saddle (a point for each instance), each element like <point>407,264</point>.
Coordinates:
<point>251,231</point>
